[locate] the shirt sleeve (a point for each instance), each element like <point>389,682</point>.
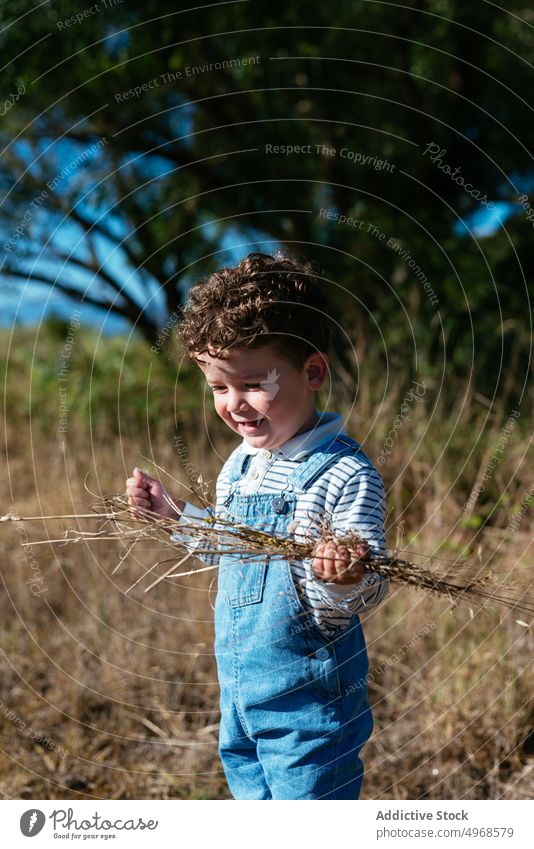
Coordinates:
<point>190,513</point>
<point>360,507</point>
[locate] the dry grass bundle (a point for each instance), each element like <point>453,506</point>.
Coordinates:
<point>458,581</point>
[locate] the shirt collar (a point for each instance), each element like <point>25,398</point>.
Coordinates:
<point>299,447</point>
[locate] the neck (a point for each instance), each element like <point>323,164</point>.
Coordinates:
<point>308,424</point>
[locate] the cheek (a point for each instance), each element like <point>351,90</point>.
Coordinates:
<point>286,397</point>
<point>262,403</point>
<point>279,406</point>
<point>220,404</point>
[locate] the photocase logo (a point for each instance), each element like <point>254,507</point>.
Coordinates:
<point>32,822</point>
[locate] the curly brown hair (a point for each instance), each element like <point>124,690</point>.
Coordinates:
<point>263,300</point>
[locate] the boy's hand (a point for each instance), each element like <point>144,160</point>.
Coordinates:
<point>339,564</point>
<point>148,494</point>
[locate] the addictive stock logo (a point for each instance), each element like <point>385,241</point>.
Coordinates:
<point>32,822</point>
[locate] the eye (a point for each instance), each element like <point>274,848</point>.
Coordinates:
<point>251,386</point>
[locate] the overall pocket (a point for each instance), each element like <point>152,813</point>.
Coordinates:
<point>242,582</point>
<point>242,578</point>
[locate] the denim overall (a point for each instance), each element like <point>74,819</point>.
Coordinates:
<point>294,709</point>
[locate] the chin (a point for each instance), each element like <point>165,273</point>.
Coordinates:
<point>254,440</point>
<point>265,442</point>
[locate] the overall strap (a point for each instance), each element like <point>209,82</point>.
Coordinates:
<point>307,471</point>
<point>322,457</point>
<point>238,464</point>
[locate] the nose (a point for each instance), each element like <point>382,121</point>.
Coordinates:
<point>235,401</point>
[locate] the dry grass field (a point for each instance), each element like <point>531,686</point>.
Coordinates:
<point>105,695</point>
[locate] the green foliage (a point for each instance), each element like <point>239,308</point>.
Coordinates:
<point>378,81</point>
<point>472,522</point>
<point>112,385</point>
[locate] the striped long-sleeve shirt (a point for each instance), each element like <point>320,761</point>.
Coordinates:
<point>350,491</point>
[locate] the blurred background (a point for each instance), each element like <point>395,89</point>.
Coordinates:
<point>145,146</point>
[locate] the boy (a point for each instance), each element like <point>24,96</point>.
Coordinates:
<point>290,651</point>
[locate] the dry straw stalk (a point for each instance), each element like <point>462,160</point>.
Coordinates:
<point>458,581</point>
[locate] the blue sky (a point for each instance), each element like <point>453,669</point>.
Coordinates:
<point>32,303</point>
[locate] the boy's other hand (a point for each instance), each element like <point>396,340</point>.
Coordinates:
<point>339,564</point>
<point>147,493</point>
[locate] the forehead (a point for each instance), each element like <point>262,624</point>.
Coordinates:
<point>243,363</point>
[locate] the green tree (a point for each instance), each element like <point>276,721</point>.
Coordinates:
<point>174,126</point>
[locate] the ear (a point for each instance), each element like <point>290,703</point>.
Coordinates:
<point>316,370</point>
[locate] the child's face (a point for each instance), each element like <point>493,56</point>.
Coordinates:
<point>263,396</point>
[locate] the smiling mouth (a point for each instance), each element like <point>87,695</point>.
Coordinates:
<point>251,423</point>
